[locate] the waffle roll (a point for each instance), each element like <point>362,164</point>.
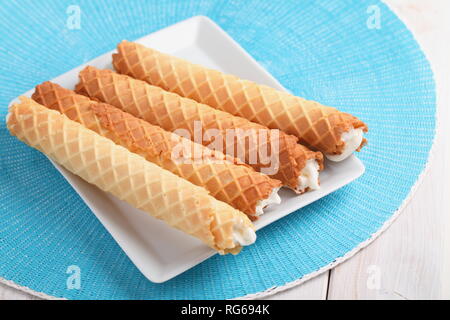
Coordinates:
<point>336,134</point>
<point>293,164</point>
<point>226,178</point>
<point>130,177</point>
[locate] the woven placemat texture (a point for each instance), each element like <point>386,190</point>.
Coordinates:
<point>332,51</point>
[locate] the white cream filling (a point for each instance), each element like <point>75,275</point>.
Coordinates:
<point>352,140</point>
<point>8,115</point>
<point>273,198</point>
<point>243,236</point>
<point>309,176</point>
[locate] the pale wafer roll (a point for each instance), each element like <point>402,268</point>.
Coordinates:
<point>294,165</point>
<point>336,134</point>
<point>130,177</point>
<point>224,177</point>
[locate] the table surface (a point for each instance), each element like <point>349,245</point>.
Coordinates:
<point>410,260</point>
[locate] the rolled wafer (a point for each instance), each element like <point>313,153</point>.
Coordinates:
<point>224,177</point>
<point>130,177</point>
<point>293,164</point>
<point>336,134</point>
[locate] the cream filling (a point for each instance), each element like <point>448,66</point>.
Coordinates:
<point>352,140</point>
<point>309,176</point>
<point>273,198</point>
<point>243,235</point>
<point>8,115</point>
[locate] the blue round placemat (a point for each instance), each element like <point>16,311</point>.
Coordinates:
<point>332,51</point>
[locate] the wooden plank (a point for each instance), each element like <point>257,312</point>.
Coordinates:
<point>8,293</point>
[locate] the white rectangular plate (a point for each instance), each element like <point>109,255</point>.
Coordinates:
<point>157,250</point>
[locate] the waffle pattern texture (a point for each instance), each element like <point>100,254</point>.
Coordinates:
<point>237,185</point>
<point>126,175</point>
<point>316,125</point>
<point>173,112</point>
<point>320,50</point>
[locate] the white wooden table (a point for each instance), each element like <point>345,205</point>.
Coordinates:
<point>411,260</point>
